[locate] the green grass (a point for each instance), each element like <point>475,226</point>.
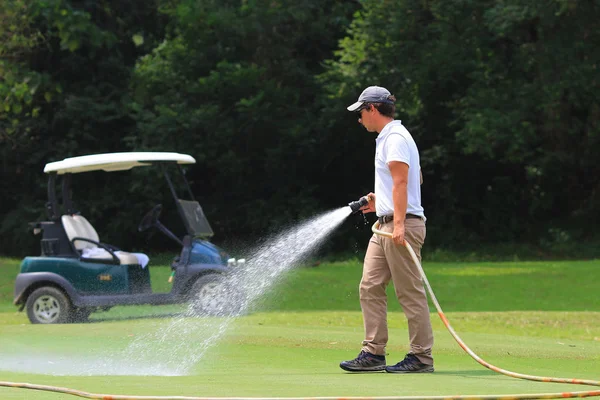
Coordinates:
<point>538,318</point>
<point>9,268</point>
<point>296,354</point>
<point>503,286</point>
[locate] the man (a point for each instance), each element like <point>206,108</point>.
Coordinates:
<point>397,202</point>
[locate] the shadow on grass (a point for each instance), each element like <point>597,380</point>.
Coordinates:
<point>467,373</point>
<point>95,320</point>
<point>475,373</point>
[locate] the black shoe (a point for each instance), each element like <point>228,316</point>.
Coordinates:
<point>410,364</point>
<point>365,362</point>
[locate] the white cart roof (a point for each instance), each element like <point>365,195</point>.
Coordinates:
<point>114,162</point>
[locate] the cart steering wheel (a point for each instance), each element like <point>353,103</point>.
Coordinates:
<point>150,219</point>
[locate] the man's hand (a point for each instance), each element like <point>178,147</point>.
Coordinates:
<point>398,234</point>
<point>369,208</point>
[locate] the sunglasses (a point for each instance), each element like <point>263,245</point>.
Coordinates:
<point>363,107</point>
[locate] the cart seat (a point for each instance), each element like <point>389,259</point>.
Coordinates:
<point>77,226</point>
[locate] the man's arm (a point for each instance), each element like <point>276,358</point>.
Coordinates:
<point>399,171</point>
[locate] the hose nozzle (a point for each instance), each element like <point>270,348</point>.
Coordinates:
<point>356,205</point>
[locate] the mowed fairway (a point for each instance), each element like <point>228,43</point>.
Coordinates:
<point>534,318</point>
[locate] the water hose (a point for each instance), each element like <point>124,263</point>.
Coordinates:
<point>462,344</point>
<point>470,352</point>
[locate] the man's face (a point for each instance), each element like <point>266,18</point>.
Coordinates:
<point>366,117</point>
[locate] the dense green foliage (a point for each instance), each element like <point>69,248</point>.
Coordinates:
<point>65,71</point>
<point>235,86</point>
<point>501,97</point>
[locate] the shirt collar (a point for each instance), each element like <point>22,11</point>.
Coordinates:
<point>387,128</point>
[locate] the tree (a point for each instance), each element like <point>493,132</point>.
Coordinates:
<point>234,85</point>
<point>501,98</point>
<point>65,71</point>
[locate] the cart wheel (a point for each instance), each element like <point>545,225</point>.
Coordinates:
<point>48,305</point>
<point>212,295</point>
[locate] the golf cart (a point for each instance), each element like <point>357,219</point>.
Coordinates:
<point>77,274</point>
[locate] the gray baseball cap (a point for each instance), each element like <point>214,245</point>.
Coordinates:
<point>372,94</point>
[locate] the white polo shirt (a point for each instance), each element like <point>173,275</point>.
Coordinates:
<point>395,143</point>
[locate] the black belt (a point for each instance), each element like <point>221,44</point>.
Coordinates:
<point>389,218</point>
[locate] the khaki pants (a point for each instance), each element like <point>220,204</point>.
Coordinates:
<point>384,261</point>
